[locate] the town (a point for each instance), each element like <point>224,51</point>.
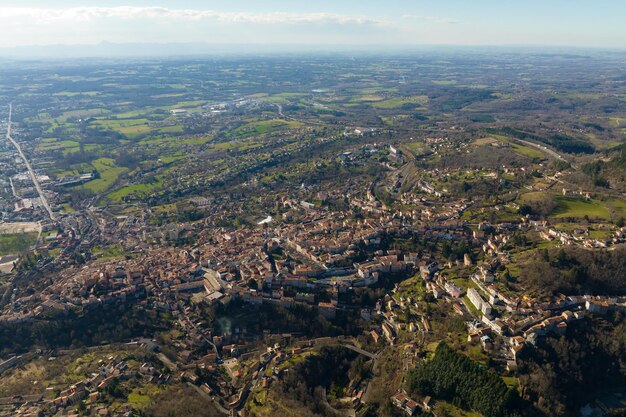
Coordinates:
<point>317,247</point>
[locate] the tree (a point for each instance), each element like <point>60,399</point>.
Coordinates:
<point>525,210</point>
<point>456,378</point>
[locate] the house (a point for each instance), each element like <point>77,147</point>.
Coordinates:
<point>427,403</point>
<point>404,403</point>
<point>486,342</point>
<point>426,324</point>
<point>478,301</point>
<point>410,407</point>
<point>399,400</point>
<point>427,271</point>
<point>515,351</point>
<point>437,291</point>
<point>453,290</point>
<point>597,307</point>
<point>327,310</point>
<point>389,333</point>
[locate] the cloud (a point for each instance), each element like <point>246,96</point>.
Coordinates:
<point>435,19</point>
<point>86,14</point>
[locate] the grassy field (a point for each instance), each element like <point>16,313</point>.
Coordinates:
<point>265,126</point>
<point>534,196</point>
<point>368,98</point>
<point>577,207</point>
<point>619,207</point>
<point>109,173</point>
<point>236,146</point>
<point>173,158</point>
<point>50,144</point>
<point>527,151</point>
<point>519,149</point>
<point>108,252</point>
<point>83,113</point>
<point>263,405</point>
<point>15,243</point>
<point>393,103</point>
<point>485,141</point>
<point>445,409</point>
<point>511,382</point>
<point>134,189</point>
<point>600,234</point>
<point>67,208</point>
<point>128,127</point>
<point>141,397</point>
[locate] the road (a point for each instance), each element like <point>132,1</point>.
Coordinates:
<point>545,150</point>
<point>359,350</point>
<point>42,196</point>
<point>216,404</point>
<point>13,188</point>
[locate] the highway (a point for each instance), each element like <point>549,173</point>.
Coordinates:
<point>42,196</point>
<point>546,150</point>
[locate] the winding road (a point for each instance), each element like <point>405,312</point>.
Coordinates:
<point>42,196</point>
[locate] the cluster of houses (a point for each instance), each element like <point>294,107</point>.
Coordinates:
<point>88,390</point>
<point>581,237</point>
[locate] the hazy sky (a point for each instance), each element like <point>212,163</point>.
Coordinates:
<point>597,23</point>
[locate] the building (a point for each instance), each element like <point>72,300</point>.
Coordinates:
<point>478,301</point>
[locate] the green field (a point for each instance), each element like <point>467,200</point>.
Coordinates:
<point>15,243</point>
<point>577,207</point>
<point>50,144</point>
<point>445,409</point>
<point>171,129</point>
<point>393,103</point>
<point>127,127</point>
<point>236,146</point>
<point>109,173</point>
<point>193,141</point>
<point>282,98</point>
<point>173,158</point>
<point>534,196</point>
<point>265,126</point>
<point>111,251</point>
<point>135,189</point>
<point>617,121</point>
<point>527,151</point>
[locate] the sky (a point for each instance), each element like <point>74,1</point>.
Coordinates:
<point>581,23</point>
